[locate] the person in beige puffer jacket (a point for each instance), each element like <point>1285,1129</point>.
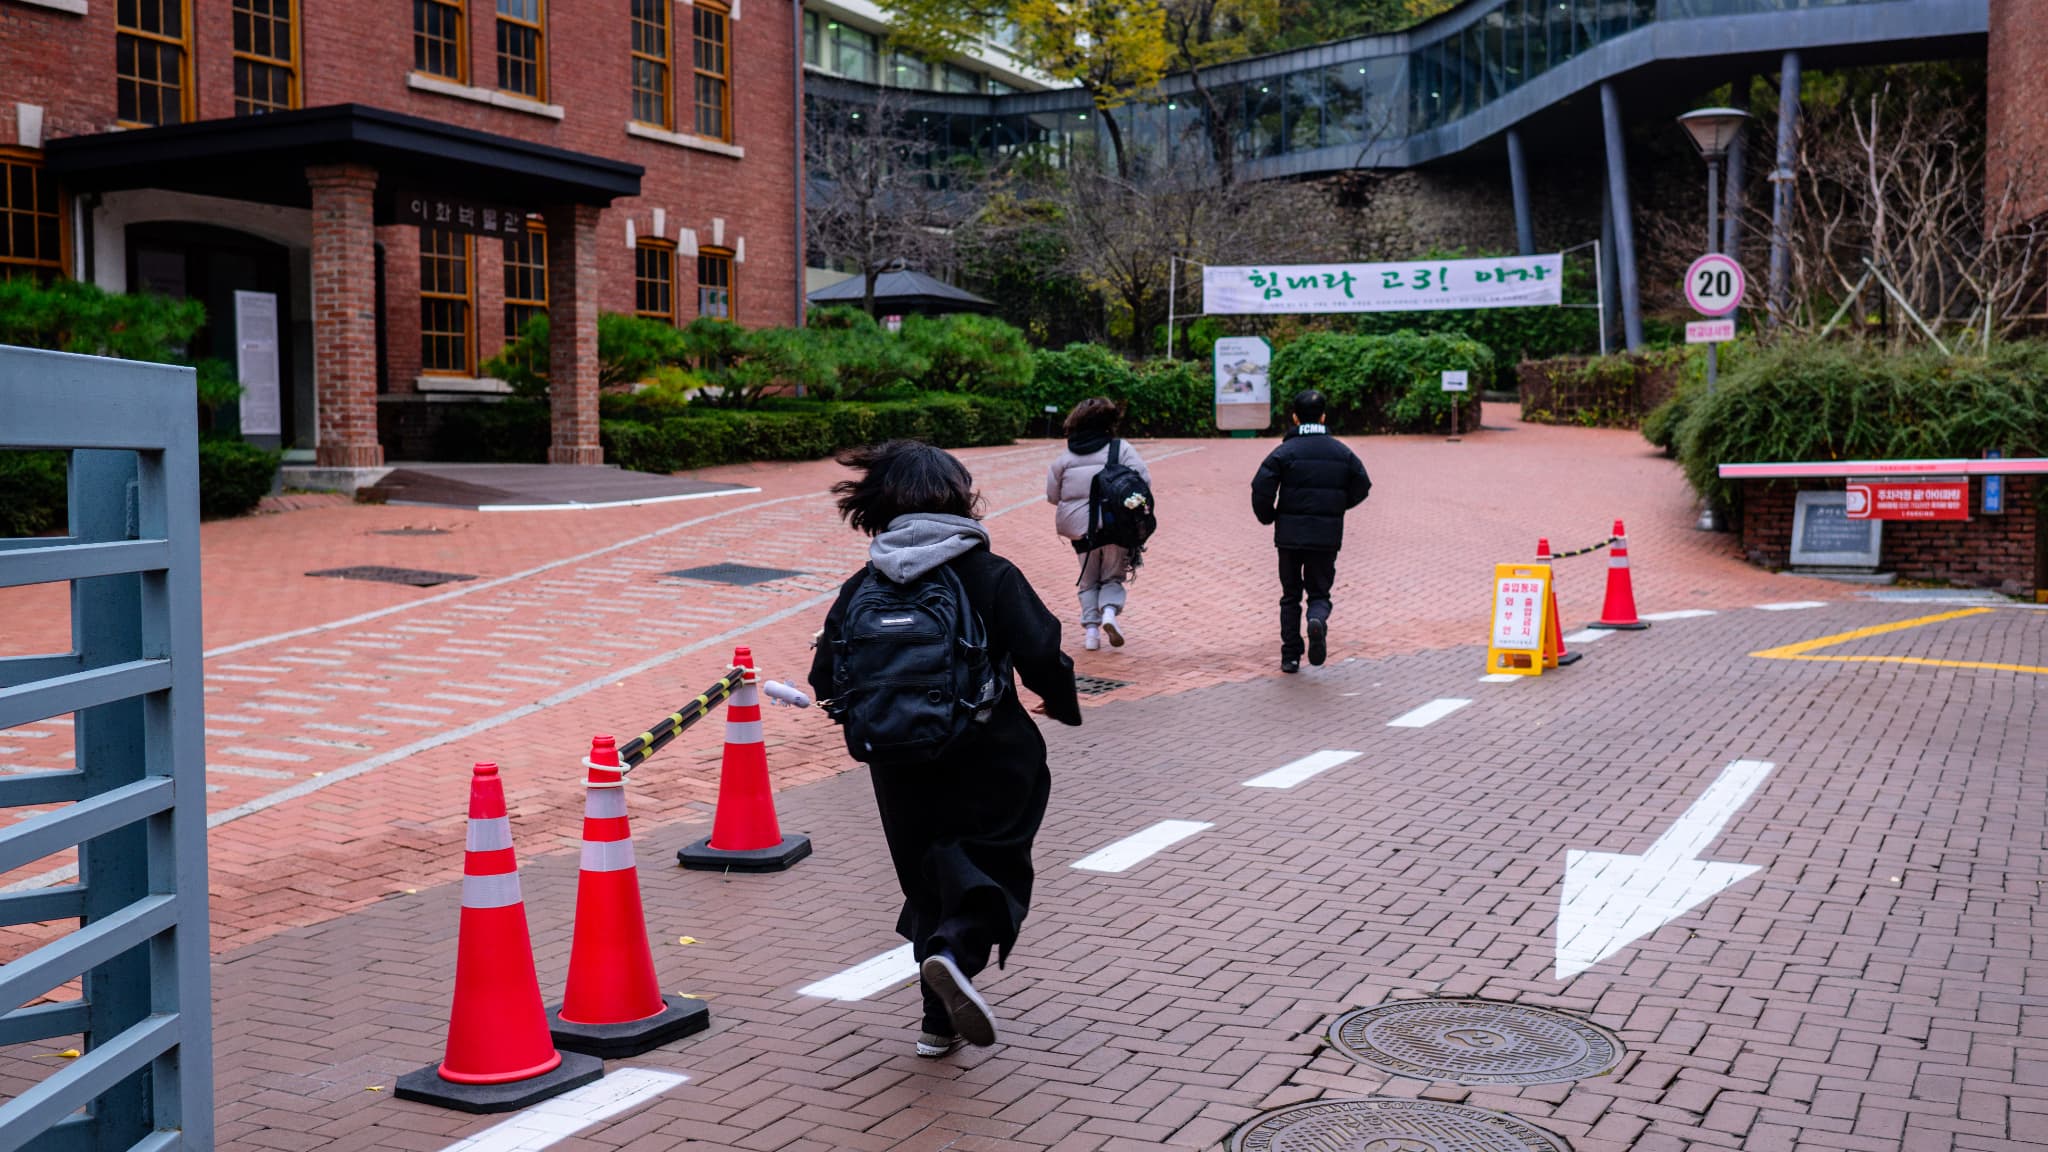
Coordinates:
<point>1090,428</point>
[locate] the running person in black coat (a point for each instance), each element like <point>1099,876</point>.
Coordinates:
<point>1303,489</point>
<point>960,828</point>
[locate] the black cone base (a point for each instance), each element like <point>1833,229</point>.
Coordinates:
<point>427,1087</point>
<point>1638,626</point>
<point>678,1018</point>
<point>703,857</point>
<point>1569,659</point>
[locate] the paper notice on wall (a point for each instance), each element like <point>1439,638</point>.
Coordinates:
<point>256,363</point>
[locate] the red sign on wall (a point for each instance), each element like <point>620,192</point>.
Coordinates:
<point>1909,500</point>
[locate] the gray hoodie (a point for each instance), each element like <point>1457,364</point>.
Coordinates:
<point>915,544</point>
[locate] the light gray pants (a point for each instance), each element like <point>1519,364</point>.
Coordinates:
<point>1102,582</point>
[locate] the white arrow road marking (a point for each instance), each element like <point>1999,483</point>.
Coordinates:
<point>1611,900</point>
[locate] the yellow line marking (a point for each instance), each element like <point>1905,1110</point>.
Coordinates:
<point>1790,650</point>
<point>1801,650</point>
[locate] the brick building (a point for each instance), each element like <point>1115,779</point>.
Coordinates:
<point>380,193</point>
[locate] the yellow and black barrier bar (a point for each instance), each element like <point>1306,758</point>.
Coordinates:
<point>646,744</point>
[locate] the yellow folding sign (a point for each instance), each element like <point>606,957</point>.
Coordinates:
<point>1525,638</point>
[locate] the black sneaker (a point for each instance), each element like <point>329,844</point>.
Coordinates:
<point>972,1020</point>
<point>1290,665</point>
<point>1318,634</point>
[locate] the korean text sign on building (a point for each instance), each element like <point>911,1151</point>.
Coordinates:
<point>1409,286</point>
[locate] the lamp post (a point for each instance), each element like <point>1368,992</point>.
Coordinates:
<point>1712,131</point>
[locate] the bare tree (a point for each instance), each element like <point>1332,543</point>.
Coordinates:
<point>1894,216</point>
<point>880,190</point>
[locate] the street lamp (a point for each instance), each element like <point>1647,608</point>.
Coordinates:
<point>1713,130</point>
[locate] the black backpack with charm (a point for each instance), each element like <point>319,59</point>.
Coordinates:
<point>1121,511</point>
<point>912,673</point>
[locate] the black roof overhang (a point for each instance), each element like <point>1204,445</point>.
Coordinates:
<point>264,159</point>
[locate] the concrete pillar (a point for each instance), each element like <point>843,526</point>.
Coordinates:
<point>572,334</point>
<point>1518,180</point>
<point>345,314</point>
<point>1610,294</point>
<point>1624,223</point>
<point>1731,220</point>
<point>1781,189</point>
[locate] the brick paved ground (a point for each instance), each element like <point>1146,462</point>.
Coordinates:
<point>1876,986</point>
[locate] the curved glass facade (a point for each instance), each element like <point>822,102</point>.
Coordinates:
<point>1352,94</point>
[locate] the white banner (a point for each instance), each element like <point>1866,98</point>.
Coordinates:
<point>1410,286</point>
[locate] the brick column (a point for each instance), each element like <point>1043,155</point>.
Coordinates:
<point>572,334</point>
<point>345,314</point>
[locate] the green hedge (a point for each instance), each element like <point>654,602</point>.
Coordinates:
<point>233,477</point>
<point>1386,383</point>
<point>1800,400</point>
<point>1619,391</point>
<point>1161,397</point>
<point>658,432</point>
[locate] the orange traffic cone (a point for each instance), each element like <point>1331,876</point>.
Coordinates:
<point>499,1057</point>
<point>1559,656</point>
<point>1620,609</point>
<point>613,1006</point>
<point>744,834</point>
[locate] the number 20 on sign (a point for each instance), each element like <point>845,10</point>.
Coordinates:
<point>1525,637</point>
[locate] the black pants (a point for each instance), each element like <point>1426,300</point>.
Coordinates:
<point>1303,571</point>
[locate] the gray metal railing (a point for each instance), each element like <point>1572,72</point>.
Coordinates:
<point>134,806</point>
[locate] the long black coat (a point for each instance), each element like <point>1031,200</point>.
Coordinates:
<point>960,829</point>
<point>1304,488</point>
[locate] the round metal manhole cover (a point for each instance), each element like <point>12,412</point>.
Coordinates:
<point>1475,1042</point>
<point>1384,1124</point>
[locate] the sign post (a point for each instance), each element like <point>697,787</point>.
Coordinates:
<point>1525,639</point>
<point>1244,394</point>
<point>1713,286</point>
<point>1994,488</point>
<point>1456,380</point>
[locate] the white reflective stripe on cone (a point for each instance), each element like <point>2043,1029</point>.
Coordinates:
<point>1619,562</point>
<point>492,834</point>
<point>746,695</point>
<point>742,731</point>
<point>499,891</point>
<point>607,855</point>
<point>604,803</point>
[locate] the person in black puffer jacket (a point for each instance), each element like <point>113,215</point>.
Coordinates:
<point>1303,490</point>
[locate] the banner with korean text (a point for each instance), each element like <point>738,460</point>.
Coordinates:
<point>1409,286</point>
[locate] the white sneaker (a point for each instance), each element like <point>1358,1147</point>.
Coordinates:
<point>1111,629</point>
<point>1091,638</point>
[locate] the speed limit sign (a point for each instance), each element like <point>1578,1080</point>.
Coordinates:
<point>1714,284</point>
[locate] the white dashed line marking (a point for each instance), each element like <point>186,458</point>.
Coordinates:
<point>1499,678</point>
<point>1428,714</point>
<point>1680,614</point>
<point>1792,605</point>
<point>552,1121</point>
<point>1288,775</point>
<point>875,974</point>
<point>1587,635</point>
<point>1135,849</point>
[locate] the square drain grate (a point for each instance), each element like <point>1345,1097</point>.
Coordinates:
<point>1096,685</point>
<point>742,574</point>
<point>417,577</point>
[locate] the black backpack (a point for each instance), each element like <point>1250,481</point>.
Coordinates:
<point>1120,508</point>
<point>912,673</point>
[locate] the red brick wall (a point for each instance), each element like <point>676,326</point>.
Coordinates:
<point>2018,91</point>
<point>360,51</point>
<point>1996,552</point>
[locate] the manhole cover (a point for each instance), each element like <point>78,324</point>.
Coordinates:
<point>417,577</point>
<point>1475,1042</point>
<point>733,574</point>
<point>1384,1124</point>
<point>410,532</point>
<point>1096,685</point>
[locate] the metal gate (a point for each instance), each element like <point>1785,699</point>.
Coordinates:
<point>134,806</point>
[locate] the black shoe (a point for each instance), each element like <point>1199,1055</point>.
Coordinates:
<point>1318,633</point>
<point>1290,665</point>
<point>972,1020</point>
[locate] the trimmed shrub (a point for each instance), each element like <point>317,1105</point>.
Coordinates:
<point>1801,400</point>
<point>806,430</point>
<point>1600,391</point>
<point>1160,397</point>
<point>233,476</point>
<point>969,353</point>
<point>1390,383</point>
